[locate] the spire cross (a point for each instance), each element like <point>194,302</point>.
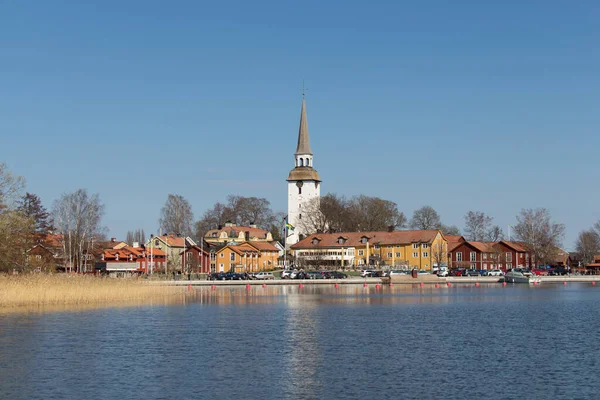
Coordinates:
<point>303,89</point>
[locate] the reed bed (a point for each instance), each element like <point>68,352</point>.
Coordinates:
<point>39,290</point>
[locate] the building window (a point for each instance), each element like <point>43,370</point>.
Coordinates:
<point>299,216</point>
<point>156,243</point>
<point>398,255</point>
<point>484,266</point>
<point>222,255</point>
<point>509,265</point>
<point>508,256</point>
<point>415,245</point>
<point>232,256</point>
<point>425,245</point>
<point>376,247</point>
<point>485,256</point>
<point>459,256</point>
<point>473,265</point>
<point>415,255</point>
<point>473,256</point>
<point>221,267</point>
<point>390,255</point>
<point>361,252</point>
<point>425,254</point>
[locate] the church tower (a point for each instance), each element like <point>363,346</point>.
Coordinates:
<point>304,183</point>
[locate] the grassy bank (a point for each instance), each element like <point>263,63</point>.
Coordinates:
<point>39,290</point>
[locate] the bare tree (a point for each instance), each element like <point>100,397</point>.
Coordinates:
<point>477,224</point>
<point>176,216</point>
<point>494,234</point>
<point>588,245</point>
<point>425,218</point>
<point>450,230</point>
<point>543,236</point>
<point>77,216</point>
<point>374,214</point>
<point>10,187</point>
<point>138,236</point>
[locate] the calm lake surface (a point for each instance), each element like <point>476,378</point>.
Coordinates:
<point>315,342</point>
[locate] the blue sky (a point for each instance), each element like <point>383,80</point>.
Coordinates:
<point>463,105</point>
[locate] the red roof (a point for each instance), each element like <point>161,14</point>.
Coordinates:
<point>234,231</point>
<point>517,246</point>
<point>353,239</point>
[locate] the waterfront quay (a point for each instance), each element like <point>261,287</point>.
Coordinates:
<point>428,279</point>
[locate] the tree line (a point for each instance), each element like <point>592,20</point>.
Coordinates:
<point>77,216</point>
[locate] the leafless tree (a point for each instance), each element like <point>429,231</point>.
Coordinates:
<point>439,254</point>
<point>15,239</point>
<point>77,216</point>
<point>138,236</point>
<point>449,230</point>
<point>540,233</point>
<point>477,224</point>
<point>176,216</point>
<point>10,187</point>
<point>425,218</point>
<point>588,245</point>
<point>375,214</point>
<point>494,234</point>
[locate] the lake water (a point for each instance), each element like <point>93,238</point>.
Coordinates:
<point>316,342</point>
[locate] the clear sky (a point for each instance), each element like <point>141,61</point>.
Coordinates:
<point>462,105</point>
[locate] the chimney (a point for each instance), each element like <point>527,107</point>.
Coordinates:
<point>391,228</point>
<point>229,223</point>
<point>220,227</point>
<point>136,245</point>
<point>247,235</point>
<point>113,240</point>
<point>252,224</point>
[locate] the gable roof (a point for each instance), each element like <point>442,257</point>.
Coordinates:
<point>234,232</point>
<point>172,240</point>
<point>517,246</point>
<point>375,238</point>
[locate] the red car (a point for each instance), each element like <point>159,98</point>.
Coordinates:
<point>539,271</point>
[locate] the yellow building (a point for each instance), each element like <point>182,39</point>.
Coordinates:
<point>409,249</point>
<point>233,233</point>
<point>246,257</point>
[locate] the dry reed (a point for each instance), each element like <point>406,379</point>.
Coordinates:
<point>39,290</point>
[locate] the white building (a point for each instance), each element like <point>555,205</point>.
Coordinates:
<point>304,183</point>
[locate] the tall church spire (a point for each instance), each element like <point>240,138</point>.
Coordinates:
<point>303,139</point>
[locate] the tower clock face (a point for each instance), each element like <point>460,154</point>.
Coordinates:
<point>299,184</point>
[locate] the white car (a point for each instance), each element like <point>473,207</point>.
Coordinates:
<point>397,272</point>
<point>442,272</point>
<point>264,275</point>
<point>365,273</point>
<point>285,274</point>
<point>495,272</point>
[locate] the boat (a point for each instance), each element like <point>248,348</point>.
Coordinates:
<point>519,275</point>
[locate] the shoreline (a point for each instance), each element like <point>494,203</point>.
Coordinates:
<point>428,280</point>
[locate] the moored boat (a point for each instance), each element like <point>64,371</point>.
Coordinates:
<point>518,275</point>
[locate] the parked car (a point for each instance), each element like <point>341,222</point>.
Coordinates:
<point>233,276</point>
<point>539,271</point>
<point>457,272</point>
<point>397,272</point>
<point>495,272</point>
<point>264,275</point>
<point>442,272</point>
<point>470,272</point>
<point>216,276</point>
<point>365,273</point>
<point>376,274</point>
<point>285,274</point>
<point>299,275</point>
<point>334,275</point>
<point>558,271</point>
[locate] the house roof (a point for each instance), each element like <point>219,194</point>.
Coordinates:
<point>482,247</point>
<point>234,232</point>
<point>455,238</point>
<point>172,240</point>
<point>304,174</point>
<point>264,246</point>
<point>453,246</point>
<point>379,238</point>
<point>517,246</point>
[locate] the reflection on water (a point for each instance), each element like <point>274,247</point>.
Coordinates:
<point>314,342</point>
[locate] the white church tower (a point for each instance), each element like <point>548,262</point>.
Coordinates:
<point>304,183</point>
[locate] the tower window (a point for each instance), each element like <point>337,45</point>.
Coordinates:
<point>302,162</point>
<point>299,216</point>
<point>300,190</point>
<point>307,162</point>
